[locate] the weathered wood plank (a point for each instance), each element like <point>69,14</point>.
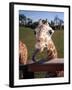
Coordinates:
<point>50,66</point>
<point>58,60</point>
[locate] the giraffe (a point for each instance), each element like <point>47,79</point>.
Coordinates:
<point>43,34</point>
<point>23,53</point>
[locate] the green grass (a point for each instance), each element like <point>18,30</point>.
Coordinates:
<point>58,39</point>
<point>27,36</point>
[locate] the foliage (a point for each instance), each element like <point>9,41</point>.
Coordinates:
<point>56,24</point>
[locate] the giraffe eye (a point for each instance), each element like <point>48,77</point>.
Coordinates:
<point>50,32</point>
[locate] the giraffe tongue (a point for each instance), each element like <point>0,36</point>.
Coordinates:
<point>34,54</point>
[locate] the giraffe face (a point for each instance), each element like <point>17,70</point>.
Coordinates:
<point>43,34</point>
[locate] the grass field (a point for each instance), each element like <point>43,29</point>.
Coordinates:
<point>27,36</point>
<point>58,39</point>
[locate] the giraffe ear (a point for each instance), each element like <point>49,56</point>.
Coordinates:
<point>47,22</point>
<point>40,22</point>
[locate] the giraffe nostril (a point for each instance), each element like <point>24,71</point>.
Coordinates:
<point>38,40</point>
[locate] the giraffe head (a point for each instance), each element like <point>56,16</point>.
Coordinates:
<point>43,34</point>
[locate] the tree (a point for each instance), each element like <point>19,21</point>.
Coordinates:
<point>60,24</point>
<point>29,21</point>
<point>22,19</point>
<point>56,20</point>
<point>52,23</point>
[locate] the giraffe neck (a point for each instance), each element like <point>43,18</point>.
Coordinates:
<point>52,52</point>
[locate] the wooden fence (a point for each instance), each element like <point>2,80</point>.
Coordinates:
<point>52,66</point>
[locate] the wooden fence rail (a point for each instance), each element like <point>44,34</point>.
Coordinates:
<point>49,66</point>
